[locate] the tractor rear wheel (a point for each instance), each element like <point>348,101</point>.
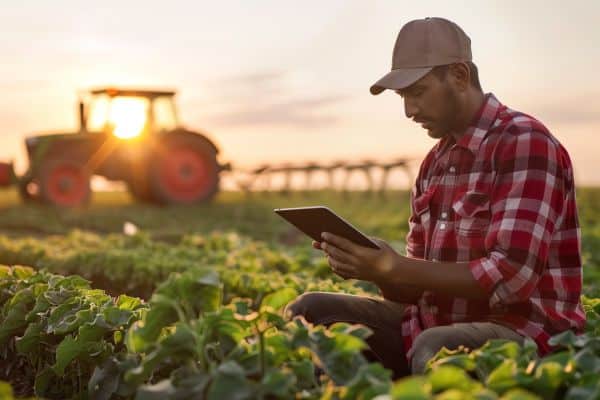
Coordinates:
<point>184,171</point>
<point>64,182</point>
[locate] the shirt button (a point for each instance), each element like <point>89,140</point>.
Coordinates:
<point>444,215</point>
<point>442,226</point>
<point>452,169</point>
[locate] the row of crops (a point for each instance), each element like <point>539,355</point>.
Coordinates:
<point>67,340</point>
<point>173,311</point>
<point>203,318</point>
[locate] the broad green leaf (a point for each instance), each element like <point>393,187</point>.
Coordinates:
<point>189,384</point>
<point>548,378</point>
<point>42,305</point>
<point>116,317</point>
<point>462,361</point>
<point>63,319</point>
<point>28,343</point>
<point>449,377</point>
<point>6,392</point>
<point>22,272</point>
<point>305,373</point>
<point>454,394</point>
<point>519,394</point>
<point>587,361</point>
<point>412,388</point>
<point>18,307</point>
<point>278,299</point>
<point>567,339</point>
<point>125,302</point>
<point>503,377</point>
<point>73,282</point>
<point>87,343</point>
<point>5,272</point>
<point>279,383</point>
<point>104,381</point>
<point>370,380</point>
<point>177,346</point>
<point>230,383</point>
<point>586,392</point>
<point>141,335</point>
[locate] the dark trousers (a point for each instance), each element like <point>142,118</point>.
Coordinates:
<point>384,318</point>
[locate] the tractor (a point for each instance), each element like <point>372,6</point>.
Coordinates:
<point>124,135</point>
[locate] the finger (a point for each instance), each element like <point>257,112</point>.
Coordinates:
<point>338,254</point>
<point>341,243</point>
<point>341,268</point>
<point>317,245</point>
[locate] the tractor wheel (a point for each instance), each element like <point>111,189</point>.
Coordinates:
<point>64,183</point>
<point>184,171</point>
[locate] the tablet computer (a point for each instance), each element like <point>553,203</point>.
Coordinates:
<point>318,219</point>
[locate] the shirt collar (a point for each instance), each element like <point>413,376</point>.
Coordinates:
<point>477,129</point>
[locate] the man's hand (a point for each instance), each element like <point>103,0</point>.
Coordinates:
<point>351,261</point>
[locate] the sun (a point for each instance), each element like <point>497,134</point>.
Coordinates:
<point>128,116</point>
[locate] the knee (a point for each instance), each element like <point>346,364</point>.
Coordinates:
<point>425,346</point>
<point>306,305</point>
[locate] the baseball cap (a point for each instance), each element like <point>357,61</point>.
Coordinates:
<point>421,45</point>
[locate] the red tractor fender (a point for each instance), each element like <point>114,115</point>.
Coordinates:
<point>182,132</point>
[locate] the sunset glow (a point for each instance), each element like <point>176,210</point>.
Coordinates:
<point>285,83</point>
<point>128,116</point>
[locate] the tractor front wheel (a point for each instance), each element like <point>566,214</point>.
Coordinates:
<point>64,183</point>
<point>184,171</point>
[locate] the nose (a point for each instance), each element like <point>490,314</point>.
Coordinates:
<point>410,108</point>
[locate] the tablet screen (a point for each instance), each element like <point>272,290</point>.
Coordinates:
<point>318,219</point>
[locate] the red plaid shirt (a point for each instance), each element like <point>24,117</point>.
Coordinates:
<point>502,199</point>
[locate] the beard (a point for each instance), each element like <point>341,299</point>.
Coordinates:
<point>447,121</point>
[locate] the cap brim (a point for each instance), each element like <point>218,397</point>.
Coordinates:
<point>399,79</point>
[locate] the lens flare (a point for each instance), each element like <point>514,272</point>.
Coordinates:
<point>128,117</point>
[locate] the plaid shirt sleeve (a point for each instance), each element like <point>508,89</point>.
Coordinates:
<point>526,205</point>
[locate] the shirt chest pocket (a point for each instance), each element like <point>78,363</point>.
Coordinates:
<point>422,211</point>
<point>472,217</point>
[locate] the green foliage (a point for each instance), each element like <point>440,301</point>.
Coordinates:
<point>212,326</point>
<point>56,329</point>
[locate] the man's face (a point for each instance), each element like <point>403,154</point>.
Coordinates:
<point>433,103</point>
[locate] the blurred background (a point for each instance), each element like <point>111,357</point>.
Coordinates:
<point>287,81</point>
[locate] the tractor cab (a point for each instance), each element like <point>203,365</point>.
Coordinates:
<point>127,113</point>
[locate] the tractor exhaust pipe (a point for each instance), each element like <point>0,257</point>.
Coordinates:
<point>82,117</point>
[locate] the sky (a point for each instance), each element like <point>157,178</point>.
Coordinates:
<point>274,81</point>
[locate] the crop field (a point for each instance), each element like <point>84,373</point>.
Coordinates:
<point>130,301</point>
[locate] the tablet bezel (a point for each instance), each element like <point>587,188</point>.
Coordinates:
<point>311,227</point>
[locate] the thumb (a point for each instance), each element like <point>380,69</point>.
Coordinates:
<point>382,243</point>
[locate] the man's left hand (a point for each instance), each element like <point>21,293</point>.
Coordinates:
<point>351,261</point>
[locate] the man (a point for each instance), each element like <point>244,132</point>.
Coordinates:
<point>493,249</point>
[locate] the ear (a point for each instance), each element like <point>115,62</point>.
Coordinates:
<point>460,75</point>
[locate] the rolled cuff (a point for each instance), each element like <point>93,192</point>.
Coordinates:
<point>486,273</point>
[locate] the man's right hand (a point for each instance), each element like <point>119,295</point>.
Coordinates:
<point>397,293</point>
